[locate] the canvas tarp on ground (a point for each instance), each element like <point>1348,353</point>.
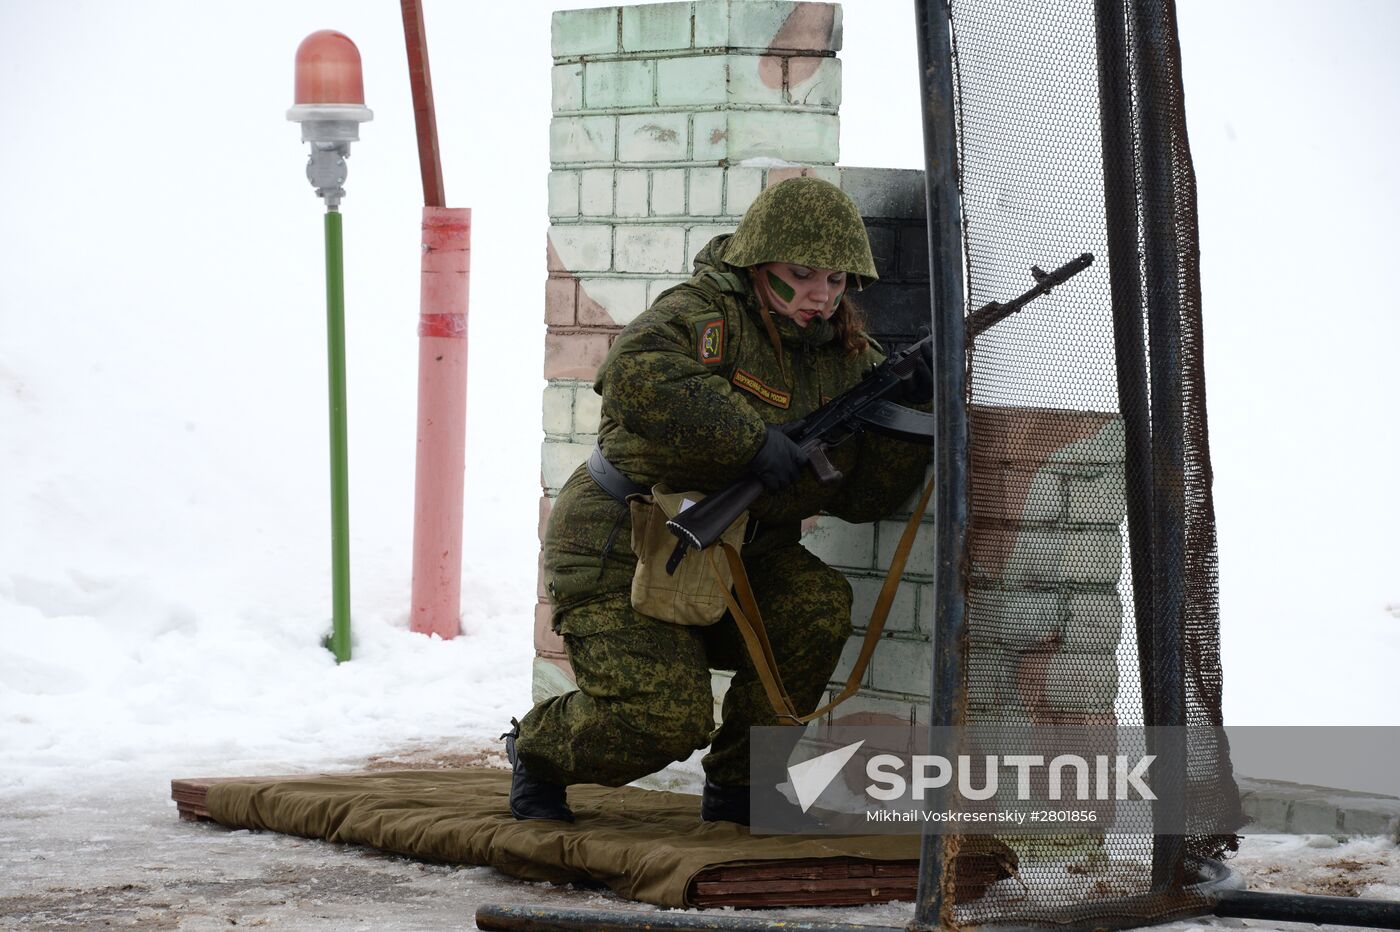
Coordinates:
<point>646,846</point>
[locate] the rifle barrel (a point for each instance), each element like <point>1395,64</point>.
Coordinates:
<point>994,312</point>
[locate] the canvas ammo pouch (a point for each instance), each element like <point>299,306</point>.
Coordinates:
<point>692,596</point>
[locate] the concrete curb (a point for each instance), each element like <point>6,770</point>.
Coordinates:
<point>1300,809</point>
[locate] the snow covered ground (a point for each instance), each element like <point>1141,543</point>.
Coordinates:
<point>164,555</point>
<point>109,852</point>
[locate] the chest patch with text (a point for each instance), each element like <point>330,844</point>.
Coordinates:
<point>709,341</point>
<point>755,386</point>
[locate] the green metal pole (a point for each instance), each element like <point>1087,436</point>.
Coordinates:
<point>339,641</point>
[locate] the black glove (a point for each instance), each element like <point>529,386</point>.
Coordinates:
<point>779,461</point>
<point>918,387</point>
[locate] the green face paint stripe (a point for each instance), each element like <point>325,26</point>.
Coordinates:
<point>781,288</point>
<point>839,296</point>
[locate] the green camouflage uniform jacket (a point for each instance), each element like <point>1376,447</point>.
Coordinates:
<point>688,389</point>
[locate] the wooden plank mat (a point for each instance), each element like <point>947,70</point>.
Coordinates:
<point>801,882</point>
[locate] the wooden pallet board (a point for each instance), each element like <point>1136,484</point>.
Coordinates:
<point>190,794</point>
<point>800,892</point>
<point>822,882</point>
<point>837,881</point>
<point>820,869</point>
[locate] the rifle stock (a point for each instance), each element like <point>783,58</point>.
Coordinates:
<point>702,523</point>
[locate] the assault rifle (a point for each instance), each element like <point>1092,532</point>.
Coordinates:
<point>861,406</point>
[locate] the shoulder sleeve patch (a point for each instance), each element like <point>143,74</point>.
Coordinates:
<point>709,340</point>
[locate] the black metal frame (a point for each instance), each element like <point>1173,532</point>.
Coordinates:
<point>505,918</point>
<point>1298,907</point>
<point>1150,39</point>
<point>943,203</point>
<point>1125,286</point>
<point>1153,433</point>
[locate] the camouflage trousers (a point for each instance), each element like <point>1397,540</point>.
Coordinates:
<point>644,696</point>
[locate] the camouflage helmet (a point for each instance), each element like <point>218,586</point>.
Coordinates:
<point>805,221</point>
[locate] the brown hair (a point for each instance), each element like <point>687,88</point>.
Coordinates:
<point>849,322</point>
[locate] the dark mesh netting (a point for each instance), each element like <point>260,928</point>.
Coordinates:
<point>1091,571</point>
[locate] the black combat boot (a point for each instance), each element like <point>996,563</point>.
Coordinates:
<point>724,803</point>
<point>531,797</point>
<point>733,803</point>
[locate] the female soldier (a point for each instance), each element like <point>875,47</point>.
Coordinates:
<point>694,393</point>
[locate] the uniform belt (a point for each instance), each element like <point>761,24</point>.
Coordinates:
<point>611,479</point>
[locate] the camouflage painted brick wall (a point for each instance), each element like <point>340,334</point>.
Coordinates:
<point>667,121</point>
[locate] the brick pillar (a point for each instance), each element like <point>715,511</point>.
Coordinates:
<point>657,111</point>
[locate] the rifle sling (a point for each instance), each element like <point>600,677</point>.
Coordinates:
<point>744,608</point>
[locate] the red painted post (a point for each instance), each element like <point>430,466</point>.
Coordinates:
<point>442,421</point>
<point>442,366</point>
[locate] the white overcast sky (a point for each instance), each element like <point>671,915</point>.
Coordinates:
<point>161,294</point>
